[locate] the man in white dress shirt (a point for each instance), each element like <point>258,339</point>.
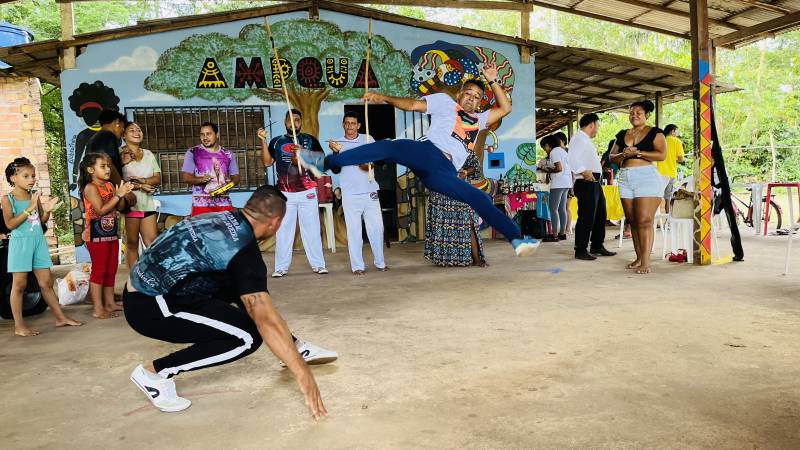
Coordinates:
<point>585,164</point>
<point>359,199</point>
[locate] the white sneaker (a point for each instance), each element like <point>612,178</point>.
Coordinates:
<point>279,273</point>
<point>160,391</point>
<point>319,270</point>
<point>313,354</point>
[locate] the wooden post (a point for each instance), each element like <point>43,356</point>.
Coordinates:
<point>659,110</point>
<point>525,31</point>
<point>67,33</point>
<point>570,129</point>
<point>702,78</point>
<point>313,11</point>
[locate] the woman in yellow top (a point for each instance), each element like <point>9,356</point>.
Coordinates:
<point>668,168</point>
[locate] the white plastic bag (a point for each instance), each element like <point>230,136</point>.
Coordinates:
<point>74,287</point>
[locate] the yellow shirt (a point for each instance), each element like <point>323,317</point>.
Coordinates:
<point>669,166</point>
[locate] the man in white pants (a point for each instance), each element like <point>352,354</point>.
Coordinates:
<point>360,199</point>
<point>300,189</point>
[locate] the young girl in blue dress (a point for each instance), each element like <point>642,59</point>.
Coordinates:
<point>24,212</point>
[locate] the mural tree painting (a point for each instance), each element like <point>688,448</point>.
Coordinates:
<point>319,61</point>
<point>527,153</point>
<point>443,67</point>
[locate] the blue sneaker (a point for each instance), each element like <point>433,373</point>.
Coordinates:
<point>525,246</point>
<point>313,161</point>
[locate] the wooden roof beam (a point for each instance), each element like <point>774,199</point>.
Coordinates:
<point>676,12</point>
<point>608,19</point>
<point>602,73</point>
<point>586,95</point>
<point>461,4</point>
<point>759,31</point>
<point>767,6</point>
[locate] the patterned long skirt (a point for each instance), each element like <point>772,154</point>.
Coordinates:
<point>448,232</point>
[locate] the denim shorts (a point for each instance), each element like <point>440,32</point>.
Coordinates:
<point>642,181</point>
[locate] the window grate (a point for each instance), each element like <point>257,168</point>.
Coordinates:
<point>170,131</point>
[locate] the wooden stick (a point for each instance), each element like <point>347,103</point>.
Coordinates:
<point>285,91</point>
<point>370,170</point>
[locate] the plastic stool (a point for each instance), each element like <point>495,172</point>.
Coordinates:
<point>681,235</point>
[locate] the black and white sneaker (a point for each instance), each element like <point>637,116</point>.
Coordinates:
<point>160,391</point>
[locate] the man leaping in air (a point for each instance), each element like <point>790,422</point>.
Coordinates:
<point>437,158</point>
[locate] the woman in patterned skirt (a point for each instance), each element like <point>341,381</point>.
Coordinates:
<point>451,237</point>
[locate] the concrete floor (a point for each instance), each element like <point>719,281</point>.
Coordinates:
<point>512,356</point>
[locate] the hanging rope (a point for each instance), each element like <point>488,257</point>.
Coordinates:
<point>285,91</point>
<point>370,169</point>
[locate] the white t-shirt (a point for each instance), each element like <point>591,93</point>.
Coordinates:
<point>146,168</point>
<point>352,179</point>
<point>453,130</point>
<point>561,179</point>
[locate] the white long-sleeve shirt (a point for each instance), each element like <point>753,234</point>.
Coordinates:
<point>583,155</point>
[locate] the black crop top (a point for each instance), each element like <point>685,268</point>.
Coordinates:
<point>645,145</point>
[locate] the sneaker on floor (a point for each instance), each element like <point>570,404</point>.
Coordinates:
<point>160,391</point>
<point>319,270</point>
<point>313,354</point>
<point>562,237</point>
<point>279,273</point>
<point>550,238</point>
<point>525,246</point>
<point>313,161</point>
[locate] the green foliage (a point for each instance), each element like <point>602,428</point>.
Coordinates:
<point>527,153</point>
<point>179,66</point>
<point>519,174</point>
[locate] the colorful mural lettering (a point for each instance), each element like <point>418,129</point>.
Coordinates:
<point>210,76</point>
<point>303,45</point>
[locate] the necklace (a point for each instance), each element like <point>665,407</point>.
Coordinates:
<point>635,137</point>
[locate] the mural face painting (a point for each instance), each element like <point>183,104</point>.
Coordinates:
<point>87,102</point>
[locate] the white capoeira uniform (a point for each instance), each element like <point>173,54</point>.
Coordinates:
<point>360,200</point>
<point>301,204</point>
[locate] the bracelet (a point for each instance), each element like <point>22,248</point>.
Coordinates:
<point>491,82</point>
<point>26,212</point>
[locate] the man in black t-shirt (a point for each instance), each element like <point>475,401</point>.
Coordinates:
<point>181,290</point>
<point>300,189</point>
<point>107,141</point>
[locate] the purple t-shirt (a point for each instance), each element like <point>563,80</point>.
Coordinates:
<point>221,165</point>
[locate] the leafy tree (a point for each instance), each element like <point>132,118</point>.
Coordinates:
<point>178,68</point>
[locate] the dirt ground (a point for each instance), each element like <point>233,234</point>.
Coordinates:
<point>545,352</point>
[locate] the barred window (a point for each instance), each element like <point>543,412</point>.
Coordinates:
<point>170,131</point>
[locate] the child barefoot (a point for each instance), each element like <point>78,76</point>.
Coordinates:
<point>24,213</point>
<point>101,202</point>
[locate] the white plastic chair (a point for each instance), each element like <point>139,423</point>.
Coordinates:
<point>659,221</point>
<point>680,233</point>
<point>794,226</point>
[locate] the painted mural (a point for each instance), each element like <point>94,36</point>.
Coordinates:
<point>87,102</point>
<point>443,67</point>
<point>319,61</point>
<point>323,62</point>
